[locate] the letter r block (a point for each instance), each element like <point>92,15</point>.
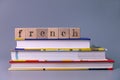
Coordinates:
<point>20,33</point>
<point>64,33</point>
<point>31,33</point>
<point>42,33</point>
<point>74,32</point>
<point>53,33</point>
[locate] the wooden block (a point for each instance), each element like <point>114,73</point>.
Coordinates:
<point>64,33</point>
<point>20,33</point>
<point>74,32</point>
<point>42,33</point>
<point>31,33</point>
<point>53,33</point>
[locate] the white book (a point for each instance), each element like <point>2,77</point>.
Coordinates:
<point>62,65</point>
<point>54,43</point>
<point>57,55</point>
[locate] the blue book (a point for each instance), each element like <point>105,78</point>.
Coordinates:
<point>53,39</point>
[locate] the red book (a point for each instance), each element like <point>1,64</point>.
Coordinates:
<point>62,65</point>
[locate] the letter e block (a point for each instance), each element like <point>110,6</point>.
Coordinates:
<point>53,33</point>
<point>31,33</point>
<point>20,33</point>
<point>42,33</point>
<point>64,33</point>
<point>74,32</point>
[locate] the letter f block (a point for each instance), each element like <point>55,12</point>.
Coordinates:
<point>19,33</point>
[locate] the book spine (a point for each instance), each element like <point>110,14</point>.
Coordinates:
<point>61,61</point>
<point>58,69</point>
<point>62,49</point>
<point>17,39</point>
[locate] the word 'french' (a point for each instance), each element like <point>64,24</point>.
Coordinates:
<point>47,33</point>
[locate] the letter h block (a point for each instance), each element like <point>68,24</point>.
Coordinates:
<point>74,32</point>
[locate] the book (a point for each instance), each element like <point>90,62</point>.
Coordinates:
<point>54,43</point>
<point>58,54</point>
<point>61,65</point>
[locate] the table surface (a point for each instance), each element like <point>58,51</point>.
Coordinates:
<point>57,75</point>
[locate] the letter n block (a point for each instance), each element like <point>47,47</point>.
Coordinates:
<point>20,33</point>
<point>31,33</point>
<point>64,33</point>
<point>53,33</point>
<point>74,32</point>
<point>42,33</point>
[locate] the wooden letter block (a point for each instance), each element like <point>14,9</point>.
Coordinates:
<point>20,33</point>
<point>64,33</point>
<point>42,33</point>
<point>31,33</point>
<point>74,32</point>
<point>53,33</point>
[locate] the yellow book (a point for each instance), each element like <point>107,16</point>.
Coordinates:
<point>19,39</point>
<point>47,69</point>
<point>65,49</point>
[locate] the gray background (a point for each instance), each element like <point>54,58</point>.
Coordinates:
<point>98,20</point>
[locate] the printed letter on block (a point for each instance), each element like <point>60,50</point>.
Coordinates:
<point>53,33</point>
<point>31,33</point>
<point>19,33</point>
<point>64,33</point>
<point>74,32</point>
<point>42,33</point>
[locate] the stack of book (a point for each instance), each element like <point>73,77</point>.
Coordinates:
<point>56,49</point>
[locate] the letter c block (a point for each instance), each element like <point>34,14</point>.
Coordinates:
<point>64,33</point>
